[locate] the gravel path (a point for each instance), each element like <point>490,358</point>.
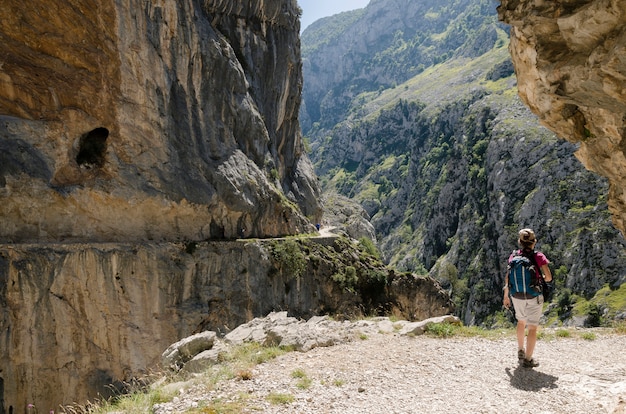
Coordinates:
<point>390,373</point>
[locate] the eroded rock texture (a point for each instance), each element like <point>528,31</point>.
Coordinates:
<point>130,120</point>
<point>569,58</point>
<point>132,123</point>
<point>75,318</point>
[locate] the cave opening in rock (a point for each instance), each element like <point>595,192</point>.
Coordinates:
<point>92,148</point>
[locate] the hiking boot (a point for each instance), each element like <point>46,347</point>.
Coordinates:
<point>530,363</point>
<point>521,354</point>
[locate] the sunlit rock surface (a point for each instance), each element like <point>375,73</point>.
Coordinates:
<point>569,58</point>
<point>127,121</point>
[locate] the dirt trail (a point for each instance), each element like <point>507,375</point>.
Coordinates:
<point>389,373</point>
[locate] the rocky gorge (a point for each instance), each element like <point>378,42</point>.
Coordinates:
<point>151,162</point>
<point>180,118</point>
<point>153,175</point>
<point>445,159</point>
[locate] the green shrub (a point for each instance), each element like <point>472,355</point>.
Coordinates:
<point>369,247</point>
<point>376,277</point>
<point>347,278</point>
<point>274,174</point>
<point>289,257</point>
<point>594,318</point>
<point>564,302</point>
<point>441,330</point>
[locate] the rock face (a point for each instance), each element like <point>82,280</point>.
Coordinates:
<point>126,127</point>
<point>75,318</point>
<point>568,57</point>
<point>126,121</point>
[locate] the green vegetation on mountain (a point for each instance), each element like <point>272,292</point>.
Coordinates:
<point>411,111</point>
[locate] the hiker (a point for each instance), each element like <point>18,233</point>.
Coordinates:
<point>527,301</point>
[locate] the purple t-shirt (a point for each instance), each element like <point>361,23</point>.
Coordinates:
<point>540,258</point>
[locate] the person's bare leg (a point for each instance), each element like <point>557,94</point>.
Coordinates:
<point>521,330</point>
<point>531,341</point>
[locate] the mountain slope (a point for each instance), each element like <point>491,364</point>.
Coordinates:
<point>383,45</point>
<point>448,163</point>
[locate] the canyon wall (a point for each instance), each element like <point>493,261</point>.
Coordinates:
<point>124,121</point>
<point>138,140</point>
<point>569,61</point>
<point>127,121</point>
<point>76,318</point>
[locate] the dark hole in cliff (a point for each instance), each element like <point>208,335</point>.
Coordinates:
<point>92,148</point>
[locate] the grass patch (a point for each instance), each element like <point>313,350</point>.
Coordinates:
<point>304,382</point>
<point>563,333</point>
<point>250,354</point>
<point>620,327</point>
<point>220,406</point>
<point>441,330</point>
<point>447,330</point>
<point>588,336</point>
<point>298,373</point>
<point>339,383</point>
<point>139,397</point>
<point>236,363</point>
<point>280,398</point>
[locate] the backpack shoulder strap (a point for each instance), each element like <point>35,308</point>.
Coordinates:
<point>533,257</point>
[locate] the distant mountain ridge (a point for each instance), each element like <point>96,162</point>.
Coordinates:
<point>383,45</point>
<point>411,110</point>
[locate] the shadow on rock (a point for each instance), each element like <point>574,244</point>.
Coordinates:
<point>530,380</point>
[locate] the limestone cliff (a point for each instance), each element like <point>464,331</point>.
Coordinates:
<point>569,61</point>
<point>133,135</point>
<point>128,121</point>
<point>75,318</point>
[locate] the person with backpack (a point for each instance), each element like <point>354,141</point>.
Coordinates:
<point>523,286</point>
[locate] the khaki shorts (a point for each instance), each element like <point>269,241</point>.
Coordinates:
<point>528,310</point>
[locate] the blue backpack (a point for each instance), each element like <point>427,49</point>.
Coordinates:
<point>523,275</point>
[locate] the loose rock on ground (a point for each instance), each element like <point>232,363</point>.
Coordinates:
<point>385,371</point>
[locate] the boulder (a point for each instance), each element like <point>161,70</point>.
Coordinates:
<point>177,354</point>
<point>279,329</point>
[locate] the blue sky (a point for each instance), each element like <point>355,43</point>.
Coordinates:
<point>313,10</point>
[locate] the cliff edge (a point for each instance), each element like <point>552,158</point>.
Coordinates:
<point>568,57</point>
